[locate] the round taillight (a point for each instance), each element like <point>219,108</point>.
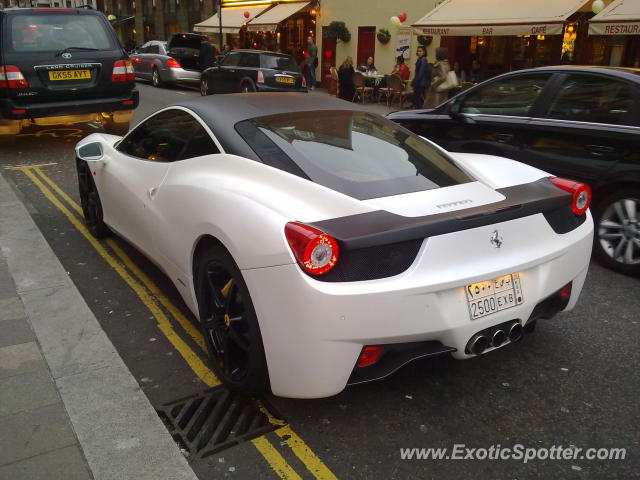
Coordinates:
<point>580,191</point>
<point>315,251</point>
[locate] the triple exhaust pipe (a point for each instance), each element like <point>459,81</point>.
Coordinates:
<point>481,341</point>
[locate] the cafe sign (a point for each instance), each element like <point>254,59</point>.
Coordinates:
<point>490,30</point>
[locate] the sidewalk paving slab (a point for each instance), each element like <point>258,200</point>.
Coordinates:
<point>61,464</point>
<point>69,407</point>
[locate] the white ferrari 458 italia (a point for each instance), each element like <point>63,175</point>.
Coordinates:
<point>320,245</point>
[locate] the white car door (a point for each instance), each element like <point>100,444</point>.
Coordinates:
<point>131,180</point>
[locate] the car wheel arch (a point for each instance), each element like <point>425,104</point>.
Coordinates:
<point>604,191</point>
<point>201,244</point>
<point>249,82</point>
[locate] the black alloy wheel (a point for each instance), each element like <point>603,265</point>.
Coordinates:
<point>229,324</point>
<point>90,201</point>
<point>617,231</point>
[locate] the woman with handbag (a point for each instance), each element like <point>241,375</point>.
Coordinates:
<point>444,79</point>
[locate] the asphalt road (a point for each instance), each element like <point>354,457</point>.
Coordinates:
<point>574,381</point>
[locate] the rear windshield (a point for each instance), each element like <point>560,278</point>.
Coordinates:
<point>278,62</point>
<point>48,32</point>
<point>185,41</point>
<point>355,153</point>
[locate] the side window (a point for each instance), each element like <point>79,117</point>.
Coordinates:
<point>168,136</point>
<point>153,49</point>
<point>231,60</point>
<point>508,96</point>
<point>250,60</point>
<point>594,98</point>
<point>144,48</point>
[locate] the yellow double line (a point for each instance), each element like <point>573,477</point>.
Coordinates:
<point>152,297</point>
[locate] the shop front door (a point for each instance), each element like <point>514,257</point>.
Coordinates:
<point>328,59</point>
<point>366,44</point>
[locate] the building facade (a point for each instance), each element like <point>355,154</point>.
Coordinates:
<point>48,3</point>
<point>364,20</point>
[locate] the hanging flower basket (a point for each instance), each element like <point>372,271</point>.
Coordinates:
<point>337,31</point>
<point>383,36</point>
<point>425,40</point>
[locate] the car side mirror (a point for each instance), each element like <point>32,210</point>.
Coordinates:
<point>90,152</point>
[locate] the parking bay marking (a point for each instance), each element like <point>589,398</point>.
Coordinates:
<point>275,460</point>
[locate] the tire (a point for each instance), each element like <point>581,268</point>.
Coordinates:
<point>90,201</point>
<point>204,87</point>
<point>229,323</point>
<point>247,87</point>
<point>616,242</point>
<point>116,128</point>
<point>156,81</point>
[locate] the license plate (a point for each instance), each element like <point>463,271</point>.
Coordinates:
<point>289,80</point>
<point>491,296</point>
<point>70,75</point>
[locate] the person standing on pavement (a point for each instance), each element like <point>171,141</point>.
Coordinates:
<point>441,82</point>
<point>311,62</point>
<point>422,78</point>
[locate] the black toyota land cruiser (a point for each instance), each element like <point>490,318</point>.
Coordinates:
<point>61,66</point>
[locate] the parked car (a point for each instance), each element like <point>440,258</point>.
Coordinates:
<point>253,71</point>
<point>180,60</point>
<point>321,245</point>
<point>62,66</point>
<point>578,122</point>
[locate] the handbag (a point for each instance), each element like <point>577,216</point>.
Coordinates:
<point>450,82</point>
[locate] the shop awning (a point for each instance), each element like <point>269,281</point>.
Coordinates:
<point>622,17</point>
<point>232,19</point>
<point>497,17</point>
<point>271,18</point>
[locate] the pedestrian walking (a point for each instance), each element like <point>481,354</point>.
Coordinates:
<point>311,62</point>
<point>442,80</point>
<point>422,78</point>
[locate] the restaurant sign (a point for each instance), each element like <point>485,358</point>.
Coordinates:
<point>626,28</point>
<point>489,30</point>
<point>262,27</point>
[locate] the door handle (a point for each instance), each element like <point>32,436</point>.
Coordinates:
<point>504,137</point>
<point>600,149</point>
<point>152,192</point>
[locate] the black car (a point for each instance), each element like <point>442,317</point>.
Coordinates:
<point>253,71</point>
<point>576,122</point>
<point>62,66</point>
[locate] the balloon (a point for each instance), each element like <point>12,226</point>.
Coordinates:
<point>247,14</point>
<point>402,16</point>
<point>597,6</point>
<point>395,21</point>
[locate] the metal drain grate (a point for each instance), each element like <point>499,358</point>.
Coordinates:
<point>213,420</point>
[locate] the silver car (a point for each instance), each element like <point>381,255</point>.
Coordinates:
<point>161,63</point>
